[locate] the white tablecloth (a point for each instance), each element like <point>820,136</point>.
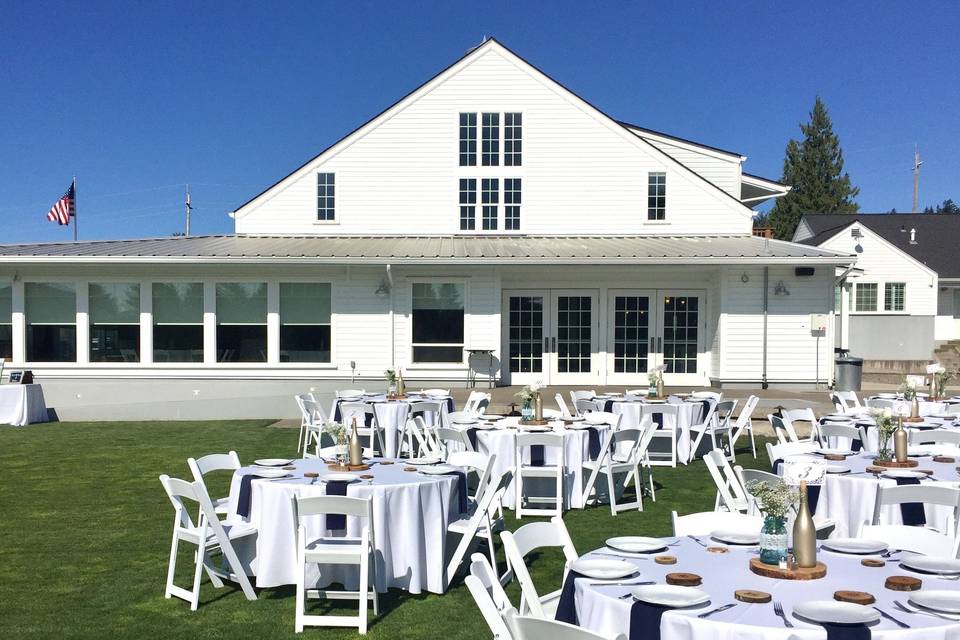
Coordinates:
<point>902,407</point>
<point>22,404</point>
<point>411,512</point>
<point>392,416</point>
<point>688,413</point>
<point>600,608</point>
<point>873,436</point>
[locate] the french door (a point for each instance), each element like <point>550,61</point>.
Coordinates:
<point>551,336</point>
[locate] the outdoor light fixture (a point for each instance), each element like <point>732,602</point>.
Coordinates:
<point>781,289</point>
<point>744,278</point>
<point>384,289</point>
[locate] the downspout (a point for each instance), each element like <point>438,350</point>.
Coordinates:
<point>766,287</point>
<point>393,329</point>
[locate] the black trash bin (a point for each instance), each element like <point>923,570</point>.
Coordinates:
<point>849,373</point>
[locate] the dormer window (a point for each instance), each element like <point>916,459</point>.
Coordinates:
<point>656,195</point>
<point>326,211</point>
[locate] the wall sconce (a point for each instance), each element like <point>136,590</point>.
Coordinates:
<point>781,289</point>
<point>384,289</point>
<point>744,278</point>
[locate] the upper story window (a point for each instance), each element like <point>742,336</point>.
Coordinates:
<point>865,298</point>
<point>656,196</point>
<point>468,204</point>
<point>114,311</point>
<point>468,139</point>
<point>511,204</point>
<point>490,198</point>
<point>325,197</point>
<point>512,139</point>
<point>6,320</point>
<point>894,296</point>
<point>490,140</point>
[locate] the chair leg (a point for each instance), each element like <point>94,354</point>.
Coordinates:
<point>363,593</point>
<point>518,485</point>
<point>753,444</point>
<point>612,489</point>
<point>197,573</point>
<point>653,490</point>
<point>300,594</point>
<point>171,569</point>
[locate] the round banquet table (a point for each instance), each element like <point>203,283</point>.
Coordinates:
<point>392,415</point>
<point>849,498</point>
<point>411,512</point>
<point>501,440</point>
<point>601,609</point>
<point>931,421</point>
<point>902,407</point>
<point>688,413</point>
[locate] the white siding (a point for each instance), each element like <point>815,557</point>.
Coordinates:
<point>581,173</point>
<point>724,173</point>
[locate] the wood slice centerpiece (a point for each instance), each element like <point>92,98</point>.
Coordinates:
<point>917,419</point>
<point>945,459</point>
<point>752,596</point>
<point>396,396</point>
<point>534,423</point>
<point>873,562</point>
<point>834,457</point>
<point>800,573</point>
<point>664,398</point>
<point>893,464</point>
<point>665,559</point>
<point>348,467</point>
<point>903,583</point>
<point>683,579</point>
<point>856,597</point>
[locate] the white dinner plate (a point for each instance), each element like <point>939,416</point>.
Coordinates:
<point>903,473</point>
<point>269,472</point>
<point>578,425</point>
<point>418,462</point>
<point>594,418</point>
<point>918,452</point>
<point>272,462</point>
<point>668,595</point>
<point>833,612</point>
<point>654,401</point>
<point>464,420</point>
<point>886,396</point>
<point>572,419</point>
<point>339,477</point>
<point>837,468</point>
<point>835,452</point>
<point>838,417</point>
<point>603,568</point>
<point>857,546</point>
<point>350,398</point>
<point>936,600</point>
<point>735,537</point>
<point>636,544</point>
<point>439,469</point>
<point>535,428</point>
<point>932,564</point>
<point>435,393</point>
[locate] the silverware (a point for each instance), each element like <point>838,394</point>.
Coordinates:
<point>903,607</point>
<point>899,623</point>
<point>778,609</point>
<point>621,584</point>
<point>707,614</point>
<point>695,539</point>
<point>890,552</point>
<point>620,557</point>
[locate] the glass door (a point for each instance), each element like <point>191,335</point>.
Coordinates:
<point>574,339</point>
<point>680,339</point>
<point>527,320</point>
<point>630,336</point>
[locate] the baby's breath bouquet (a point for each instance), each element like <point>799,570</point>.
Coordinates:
<point>773,499</point>
<point>909,388</point>
<point>529,392</point>
<point>338,433</point>
<point>886,425</point>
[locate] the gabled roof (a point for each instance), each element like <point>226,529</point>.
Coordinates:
<point>937,235</point>
<point>441,249</point>
<point>537,73</point>
<point>683,141</point>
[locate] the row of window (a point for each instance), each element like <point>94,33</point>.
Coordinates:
<point>866,296</point>
<point>490,139</point>
<point>490,203</point>
<point>241,322</point>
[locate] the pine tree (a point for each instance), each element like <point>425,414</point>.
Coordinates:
<point>814,168</point>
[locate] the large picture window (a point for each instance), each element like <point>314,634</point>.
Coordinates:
<point>177,322</point>
<point>114,322</point>
<point>6,320</point>
<point>242,322</point>
<point>51,310</point>
<point>304,322</point>
<point>438,316</point>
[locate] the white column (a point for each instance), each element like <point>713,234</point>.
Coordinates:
<point>19,324</point>
<point>273,322</point>
<point>146,322</point>
<point>83,322</point>
<point>845,315</point>
<point>209,323</point>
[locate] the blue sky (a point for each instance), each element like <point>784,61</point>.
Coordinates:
<point>230,97</point>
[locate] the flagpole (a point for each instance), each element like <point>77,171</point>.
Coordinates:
<point>76,218</point>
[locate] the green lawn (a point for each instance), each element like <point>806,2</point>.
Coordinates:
<point>85,531</point>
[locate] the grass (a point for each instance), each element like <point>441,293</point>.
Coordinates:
<point>85,530</point>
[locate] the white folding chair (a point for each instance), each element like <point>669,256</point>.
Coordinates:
<point>2,362</point>
<point>209,534</point>
<point>355,550</point>
<point>525,470</point>
<point>584,406</point>
<point>846,402</point>
<point>621,454</point>
<point>488,609</point>
<point>200,467</point>
<point>418,440</point>
<point>750,475</point>
<point>481,570</point>
<point>532,628</point>
<point>477,402</point>
<point>562,405</point>
<point>722,424</point>
<point>744,423</point>
<point>713,395</point>
<point>791,417</point>
<point>925,494</point>
<point>839,436</point>
<point>346,395</point>
<point>475,464</point>
<point>582,395</point>
<point>363,412</point>
<point>305,418</point>
<point>518,544</point>
<point>706,522</point>
<point>452,440</point>
<point>669,414</point>
<point>706,426</point>
<point>782,429</point>
<point>780,451</point>
<point>935,436</point>
<point>482,524</point>
<point>928,542</point>
<point>313,432</point>
<point>730,493</point>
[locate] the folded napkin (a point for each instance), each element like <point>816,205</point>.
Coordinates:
<point>813,497</point>
<point>567,606</point>
<point>472,437</point>
<point>464,505</point>
<point>645,620</point>
<point>243,500</point>
<point>846,631</point>
<point>608,406</point>
<point>594,439</point>
<point>336,521</point>
<point>537,455</point>
<point>775,467</point>
<point>911,512</point>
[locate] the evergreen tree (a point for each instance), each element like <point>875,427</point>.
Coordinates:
<point>948,207</point>
<point>814,168</point>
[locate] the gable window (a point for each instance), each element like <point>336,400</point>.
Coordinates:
<point>304,322</point>
<point>51,309</point>
<point>6,320</point>
<point>177,321</point>
<point>241,322</point>
<point>468,204</point>
<point>114,322</point>
<point>490,197</point>
<point>866,296</point>
<point>512,139</point>
<point>438,318</point>
<point>656,196</point>
<point>511,204</point>
<point>490,140</point>
<point>894,296</point>
<point>325,197</point>
<point>468,139</point>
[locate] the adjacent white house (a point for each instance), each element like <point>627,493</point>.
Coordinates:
<point>489,210</point>
<point>902,300</point>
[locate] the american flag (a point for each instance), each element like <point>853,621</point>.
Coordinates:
<point>64,208</point>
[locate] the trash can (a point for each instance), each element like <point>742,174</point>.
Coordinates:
<point>849,373</point>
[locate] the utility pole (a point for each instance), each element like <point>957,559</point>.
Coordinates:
<point>916,178</point>
<point>189,207</point>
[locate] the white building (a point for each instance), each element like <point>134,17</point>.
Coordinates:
<point>489,209</point>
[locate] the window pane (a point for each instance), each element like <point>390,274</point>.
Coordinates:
<point>657,196</point>
<point>305,343</point>
<point>468,139</point>
<point>6,341</point>
<point>177,303</point>
<point>325,196</point>
<point>468,200</point>
<point>242,303</point>
<point>178,343</point>
<point>51,303</point>
<point>52,343</point>
<point>6,302</point>
<point>438,319</point>
<point>893,296</point>
<point>491,140</point>
<point>114,343</point>
<point>438,354</point>
<point>241,343</point>
<point>866,296</point>
<point>304,303</point>
<point>512,139</point>
<point>114,303</point>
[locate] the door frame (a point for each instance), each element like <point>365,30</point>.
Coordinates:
<point>596,354</point>
<point>682,379</point>
<point>637,379</point>
<point>524,377</point>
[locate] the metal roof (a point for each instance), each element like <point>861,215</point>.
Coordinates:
<point>448,249</point>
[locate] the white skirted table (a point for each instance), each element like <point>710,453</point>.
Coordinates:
<point>688,413</point>
<point>411,512</point>
<point>604,609</point>
<point>22,404</point>
<point>392,415</point>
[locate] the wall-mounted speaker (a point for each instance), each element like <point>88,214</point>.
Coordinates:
<point>804,271</point>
